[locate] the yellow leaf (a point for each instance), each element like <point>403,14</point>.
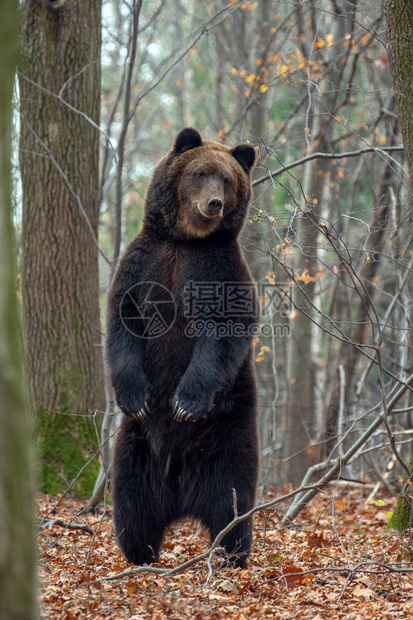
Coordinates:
<point>263,88</point>
<point>283,70</point>
<point>365,39</point>
<point>329,39</point>
<point>305,277</point>
<point>234,71</point>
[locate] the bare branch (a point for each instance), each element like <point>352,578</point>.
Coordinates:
<point>303,160</point>
<point>337,464</point>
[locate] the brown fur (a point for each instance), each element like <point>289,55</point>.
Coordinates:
<point>195,440</point>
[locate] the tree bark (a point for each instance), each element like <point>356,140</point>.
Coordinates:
<point>399,15</point>
<point>17,536</point>
<point>59,159</point>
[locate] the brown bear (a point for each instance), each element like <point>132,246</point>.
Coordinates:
<point>182,374</point>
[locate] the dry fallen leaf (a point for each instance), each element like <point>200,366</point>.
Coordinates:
<point>273,586</point>
<point>225,586</point>
<point>363,592</point>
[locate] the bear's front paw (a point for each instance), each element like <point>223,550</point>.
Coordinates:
<point>185,409</point>
<point>142,414</point>
<point>134,405</point>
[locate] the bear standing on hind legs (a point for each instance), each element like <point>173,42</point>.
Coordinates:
<point>186,386</point>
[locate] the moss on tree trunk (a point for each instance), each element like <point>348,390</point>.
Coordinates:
<point>401,517</point>
<point>66,443</point>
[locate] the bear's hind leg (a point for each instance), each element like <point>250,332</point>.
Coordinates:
<point>237,543</point>
<point>143,499</point>
<point>214,482</point>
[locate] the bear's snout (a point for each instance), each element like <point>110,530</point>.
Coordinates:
<point>215,206</point>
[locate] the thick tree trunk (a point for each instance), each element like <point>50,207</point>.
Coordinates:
<point>17,536</point>
<point>399,15</point>
<point>59,168</point>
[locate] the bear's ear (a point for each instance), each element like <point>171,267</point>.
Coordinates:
<point>245,155</point>
<point>186,140</point>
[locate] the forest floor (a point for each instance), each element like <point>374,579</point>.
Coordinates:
<point>339,561</point>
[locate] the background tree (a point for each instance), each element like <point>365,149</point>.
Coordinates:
<point>59,155</point>
<point>17,536</point>
<point>400,44</point>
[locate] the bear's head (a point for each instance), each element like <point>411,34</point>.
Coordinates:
<point>200,188</point>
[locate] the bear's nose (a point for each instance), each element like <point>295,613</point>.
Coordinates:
<point>215,204</point>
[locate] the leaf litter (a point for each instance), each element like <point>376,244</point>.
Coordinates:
<point>337,561</point>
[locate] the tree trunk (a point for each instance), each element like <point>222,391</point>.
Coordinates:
<point>59,158</point>
<point>304,399</point>
<point>17,536</point>
<point>300,372</point>
<point>399,15</point>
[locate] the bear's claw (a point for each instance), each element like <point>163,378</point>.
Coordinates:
<point>141,415</point>
<point>181,414</point>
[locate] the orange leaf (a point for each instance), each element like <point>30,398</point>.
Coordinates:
<point>292,573</point>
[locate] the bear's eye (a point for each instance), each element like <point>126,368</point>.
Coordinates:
<point>200,174</point>
<point>227,181</point>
